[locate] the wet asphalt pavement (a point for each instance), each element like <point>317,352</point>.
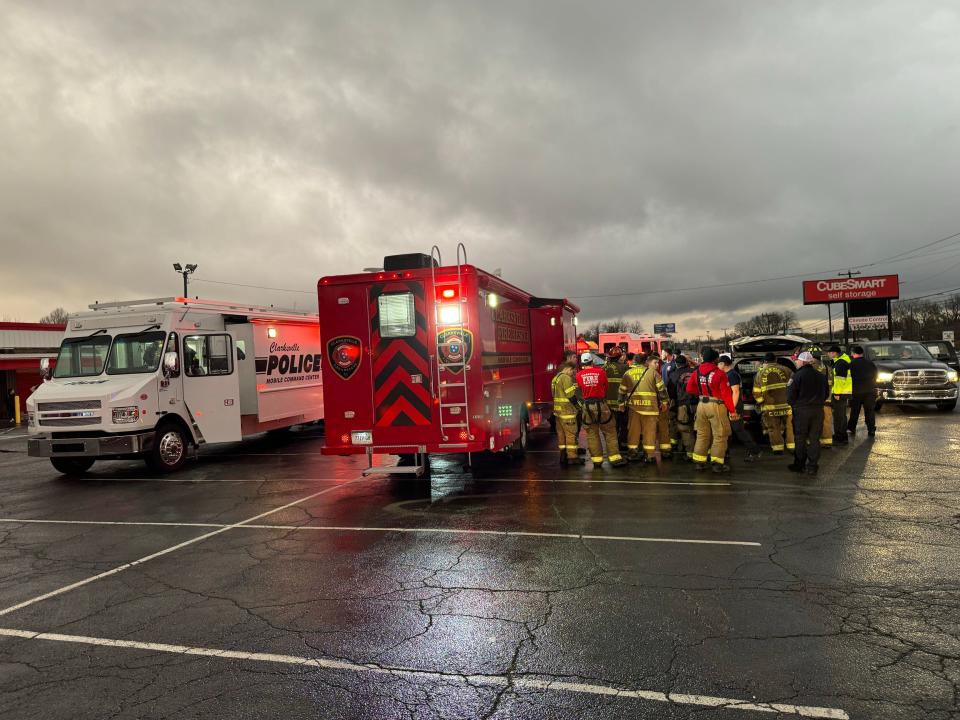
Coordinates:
<point>266,581</point>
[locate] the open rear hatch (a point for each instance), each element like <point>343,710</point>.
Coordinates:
<point>762,344</point>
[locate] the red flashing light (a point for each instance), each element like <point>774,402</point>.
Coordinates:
<point>464,435</point>
<point>345,439</point>
<point>408,274</point>
<point>448,293</point>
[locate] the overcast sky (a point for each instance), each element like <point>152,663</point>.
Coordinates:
<point>584,148</point>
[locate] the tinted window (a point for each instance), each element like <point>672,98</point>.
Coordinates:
<point>207,355</point>
<point>82,357</point>
<point>898,351</point>
<point>137,353</point>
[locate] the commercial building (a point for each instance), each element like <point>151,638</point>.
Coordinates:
<point>22,345</point>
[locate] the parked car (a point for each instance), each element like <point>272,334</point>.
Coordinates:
<point>908,373</point>
<point>943,351</point>
<point>748,354</point>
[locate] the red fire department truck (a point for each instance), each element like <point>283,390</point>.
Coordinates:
<point>631,342</point>
<point>425,358</point>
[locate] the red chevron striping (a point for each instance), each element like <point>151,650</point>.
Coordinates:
<point>402,405</point>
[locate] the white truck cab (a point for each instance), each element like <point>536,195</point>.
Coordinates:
<point>150,378</point>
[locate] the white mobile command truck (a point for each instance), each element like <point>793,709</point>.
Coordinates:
<point>150,378</point>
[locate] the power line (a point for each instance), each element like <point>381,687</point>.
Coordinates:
<point>258,287</point>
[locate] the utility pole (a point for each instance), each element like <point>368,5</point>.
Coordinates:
<point>186,271</point>
<point>846,314</point>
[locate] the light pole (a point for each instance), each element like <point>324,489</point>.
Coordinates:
<point>186,271</point>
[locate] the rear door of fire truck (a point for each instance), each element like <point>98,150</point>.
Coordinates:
<point>401,363</point>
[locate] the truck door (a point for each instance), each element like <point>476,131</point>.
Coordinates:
<point>211,390</point>
<point>401,363</point>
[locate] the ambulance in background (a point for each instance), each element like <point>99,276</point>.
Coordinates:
<point>633,343</point>
<point>425,358</point>
<point>151,378</point>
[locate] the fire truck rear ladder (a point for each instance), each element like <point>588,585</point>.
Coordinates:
<point>463,408</point>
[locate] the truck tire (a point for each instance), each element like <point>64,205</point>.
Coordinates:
<point>948,406</point>
<point>519,447</point>
<point>72,467</point>
<point>169,451</point>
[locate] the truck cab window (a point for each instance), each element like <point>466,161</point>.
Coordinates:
<point>397,315</point>
<point>136,353</point>
<point>207,355</point>
<point>82,357</point>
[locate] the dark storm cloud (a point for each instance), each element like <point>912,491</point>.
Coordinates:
<point>585,149</point>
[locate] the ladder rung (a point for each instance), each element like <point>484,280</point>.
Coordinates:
<point>450,385</point>
<point>446,425</point>
<point>446,405</point>
<point>452,364</point>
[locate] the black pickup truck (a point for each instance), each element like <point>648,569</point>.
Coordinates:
<point>908,373</point>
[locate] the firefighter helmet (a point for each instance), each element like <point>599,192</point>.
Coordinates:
<point>814,350</point>
<point>615,353</point>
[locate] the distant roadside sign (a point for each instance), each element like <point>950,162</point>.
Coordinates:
<point>664,328</point>
<point>869,322</point>
<point>948,335</point>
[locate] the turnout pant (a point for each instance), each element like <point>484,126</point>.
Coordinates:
<point>780,431</point>
<point>713,429</point>
<point>642,428</point>
<point>620,419</point>
<point>663,432</point>
<point>685,434</point>
<point>827,432</point>
<point>807,425</point>
<point>598,420</point>
<point>868,401</point>
<point>840,418</point>
<point>567,435</point>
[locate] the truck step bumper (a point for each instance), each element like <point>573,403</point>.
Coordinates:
<point>90,447</point>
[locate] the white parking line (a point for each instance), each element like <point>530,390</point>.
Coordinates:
<point>521,682</point>
<point>587,481</point>
<point>361,528</point>
<point>200,538</point>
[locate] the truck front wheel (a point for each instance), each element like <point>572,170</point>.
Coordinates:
<point>72,466</point>
<point>169,451</point>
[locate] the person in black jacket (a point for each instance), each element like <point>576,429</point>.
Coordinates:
<point>864,375</point>
<point>806,393</point>
<point>684,407</point>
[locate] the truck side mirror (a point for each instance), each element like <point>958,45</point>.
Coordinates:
<point>171,364</point>
<point>45,368</point>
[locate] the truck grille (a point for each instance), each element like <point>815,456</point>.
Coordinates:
<point>69,405</point>
<point>919,378</point>
<point>69,422</point>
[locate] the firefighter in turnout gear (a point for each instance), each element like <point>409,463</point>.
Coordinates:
<point>566,406</point>
<point>615,368</point>
<point>663,420</point>
<point>684,407</point>
<point>824,368</point>
<point>645,396</point>
<point>770,393</point>
<point>713,414</point>
<point>597,416</point>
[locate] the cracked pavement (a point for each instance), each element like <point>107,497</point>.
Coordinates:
<point>852,600</point>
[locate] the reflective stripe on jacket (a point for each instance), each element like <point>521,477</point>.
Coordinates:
<point>770,389</point>
<point>564,393</point>
<point>644,389</point>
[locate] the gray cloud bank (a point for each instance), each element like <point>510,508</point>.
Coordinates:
<point>585,148</point>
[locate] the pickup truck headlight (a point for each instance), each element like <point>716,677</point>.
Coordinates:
<point>952,376</point>
<point>884,376</point>
<point>127,414</point>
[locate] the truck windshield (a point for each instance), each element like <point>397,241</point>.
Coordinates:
<point>136,353</point>
<point>82,357</point>
<point>898,351</point>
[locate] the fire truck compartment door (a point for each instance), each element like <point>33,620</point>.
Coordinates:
<point>401,362</point>
<point>211,387</point>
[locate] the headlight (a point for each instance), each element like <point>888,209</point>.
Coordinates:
<point>952,376</point>
<point>31,419</point>
<point>127,414</point>
<point>884,376</point>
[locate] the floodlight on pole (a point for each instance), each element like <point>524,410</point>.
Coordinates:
<point>186,272</point>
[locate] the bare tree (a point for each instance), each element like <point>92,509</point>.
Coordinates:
<point>56,317</point>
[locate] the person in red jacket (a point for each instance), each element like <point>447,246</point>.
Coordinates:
<point>716,406</point>
<point>597,416</point>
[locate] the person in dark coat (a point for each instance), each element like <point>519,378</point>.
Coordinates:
<point>806,393</point>
<point>864,375</point>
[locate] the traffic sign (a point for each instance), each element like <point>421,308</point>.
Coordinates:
<point>664,328</point>
<point>948,335</point>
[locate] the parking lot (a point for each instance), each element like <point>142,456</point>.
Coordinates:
<point>267,581</point>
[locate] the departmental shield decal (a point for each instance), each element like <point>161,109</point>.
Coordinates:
<point>344,354</point>
<point>456,347</point>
